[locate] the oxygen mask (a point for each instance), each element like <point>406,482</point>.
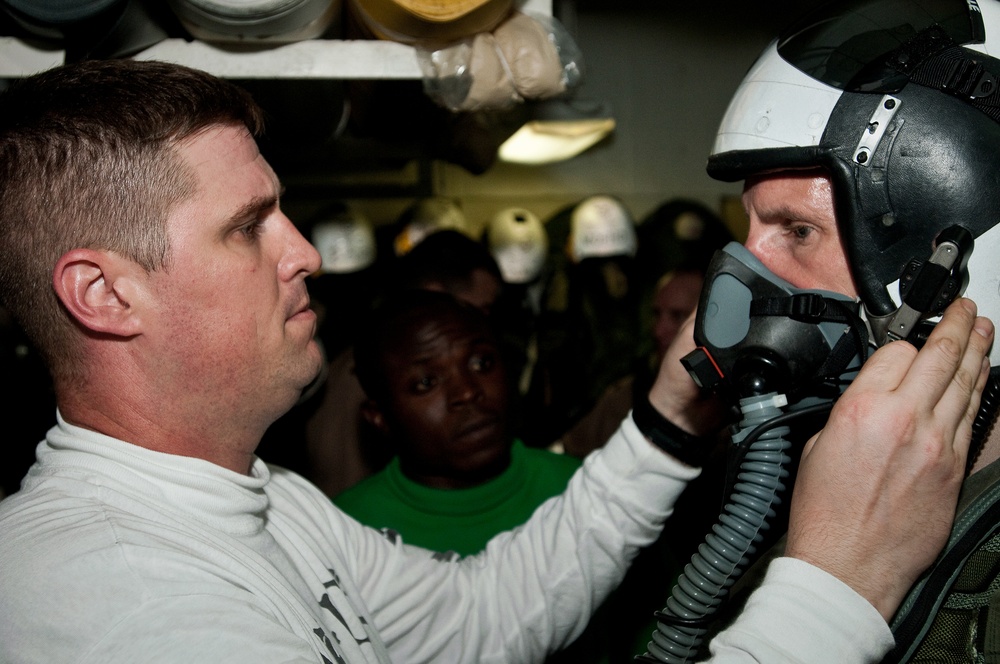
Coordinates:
<point>757,334</point>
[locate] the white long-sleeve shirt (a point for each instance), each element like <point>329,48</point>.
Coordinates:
<point>114,553</point>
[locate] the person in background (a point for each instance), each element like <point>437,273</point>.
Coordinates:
<point>342,447</point>
<point>452,262</point>
<point>436,390</point>
<point>679,235</point>
<point>674,300</point>
<point>676,242</point>
<point>673,247</point>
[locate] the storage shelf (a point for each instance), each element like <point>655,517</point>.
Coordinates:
<point>315,58</point>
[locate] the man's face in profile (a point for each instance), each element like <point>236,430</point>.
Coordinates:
<point>233,318</point>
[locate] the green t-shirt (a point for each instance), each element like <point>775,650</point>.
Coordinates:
<point>460,520</point>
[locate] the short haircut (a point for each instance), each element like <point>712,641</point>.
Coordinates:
<point>87,160</point>
<point>446,257</point>
<point>385,325</point>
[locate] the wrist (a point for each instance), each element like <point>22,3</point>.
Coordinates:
<point>686,447</point>
<point>878,585</point>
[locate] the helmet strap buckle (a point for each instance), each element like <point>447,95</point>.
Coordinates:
<point>969,80</point>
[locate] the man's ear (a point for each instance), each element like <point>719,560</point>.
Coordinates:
<point>372,414</point>
<point>98,289</point>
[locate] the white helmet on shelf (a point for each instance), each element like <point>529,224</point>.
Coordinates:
<point>601,226</point>
<point>345,240</point>
<point>519,244</point>
<point>426,216</point>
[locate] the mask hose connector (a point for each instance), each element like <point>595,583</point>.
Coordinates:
<point>728,550</point>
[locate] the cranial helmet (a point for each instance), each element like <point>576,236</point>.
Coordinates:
<point>899,101</point>
<point>519,244</point>
<point>600,226</point>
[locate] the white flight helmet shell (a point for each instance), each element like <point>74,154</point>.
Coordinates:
<point>517,239</point>
<point>899,101</point>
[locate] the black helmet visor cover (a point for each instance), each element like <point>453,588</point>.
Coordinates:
<point>850,46</point>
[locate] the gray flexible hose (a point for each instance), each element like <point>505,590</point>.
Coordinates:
<point>724,555</point>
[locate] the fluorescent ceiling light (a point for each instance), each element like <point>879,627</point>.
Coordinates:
<point>557,130</point>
